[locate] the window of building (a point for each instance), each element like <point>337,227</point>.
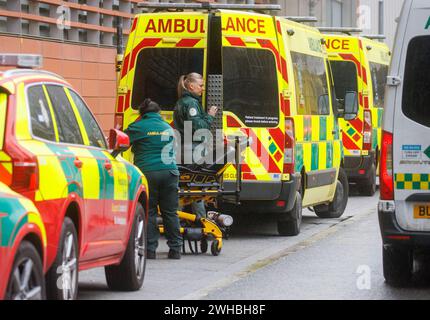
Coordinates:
<point>250,86</point>
<point>93,130</point>
<point>42,125</point>
<point>68,128</point>
<point>379,80</point>
<point>311,84</point>
<point>158,71</point>
<point>416,93</point>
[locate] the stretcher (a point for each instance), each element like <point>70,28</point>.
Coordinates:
<point>205,183</point>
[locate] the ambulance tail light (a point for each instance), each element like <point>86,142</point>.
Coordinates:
<point>386,167</point>
<point>119,121</point>
<point>290,143</point>
<point>25,174</point>
<point>367,130</point>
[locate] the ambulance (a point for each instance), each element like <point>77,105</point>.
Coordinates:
<point>269,76</point>
<point>404,208</point>
<point>360,65</point>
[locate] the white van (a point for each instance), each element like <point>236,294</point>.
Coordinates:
<point>404,208</point>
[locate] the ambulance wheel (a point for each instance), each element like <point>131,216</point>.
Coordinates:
<point>130,273</point>
<point>62,277</point>
<point>368,187</point>
<point>204,246</point>
<point>336,208</point>
<point>289,223</point>
<point>398,264</point>
<point>214,248</point>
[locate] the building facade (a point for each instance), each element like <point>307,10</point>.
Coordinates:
<point>77,38</point>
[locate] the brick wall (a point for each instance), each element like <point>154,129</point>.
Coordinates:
<point>89,69</point>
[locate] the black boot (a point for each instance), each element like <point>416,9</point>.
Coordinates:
<point>173,254</point>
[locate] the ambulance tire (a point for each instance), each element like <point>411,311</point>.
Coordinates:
<point>397,264</point>
<point>368,187</point>
<point>336,208</point>
<point>289,223</point>
<point>130,273</point>
<point>62,277</point>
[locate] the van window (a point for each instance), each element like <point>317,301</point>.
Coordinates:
<point>416,92</point>
<point>345,77</point>
<point>3,107</point>
<point>42,125</point>
<point>311,84</point>
<point>95,135</point>
<point>251,86</point>
<point>379,80</point>
<point>68,128</point>
<point>158,71</point>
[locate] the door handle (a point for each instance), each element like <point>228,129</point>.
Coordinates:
<point>108,165</point>
<point>78,163</point>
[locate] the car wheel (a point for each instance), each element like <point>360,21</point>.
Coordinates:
<point>289,223</point>
<point>62,277</point>
<point>130,273</point>
<point>337,207</point>
<point>26,280</point>
<point>368,187</point>
<point>398,264</point>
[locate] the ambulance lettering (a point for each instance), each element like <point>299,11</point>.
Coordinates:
<point>175,26</point>
<point>337,44</point>
<point>245,25</point>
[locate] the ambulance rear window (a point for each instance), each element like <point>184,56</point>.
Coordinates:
<point>345,77</point>
<point>379,80</point>
<point>416,92</point>
<point>158,71</point>
<point>311,84</point>
<point>251,86</point>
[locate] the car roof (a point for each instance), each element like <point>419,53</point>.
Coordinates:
<point>10,78</point>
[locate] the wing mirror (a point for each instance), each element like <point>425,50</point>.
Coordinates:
<point>351,105</point>
<point>118,142</point>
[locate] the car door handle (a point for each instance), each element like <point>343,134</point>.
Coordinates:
<point>78,163</point>
<point>108,165</point>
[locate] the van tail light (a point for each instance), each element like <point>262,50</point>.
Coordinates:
<point>367,130</point>
<point>290,143</point>
<point>386,167</point>
<point>119,121</point>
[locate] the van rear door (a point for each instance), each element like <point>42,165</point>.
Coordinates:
<point>411,148</point>
<point>252,80</point>
<point>161,48</point>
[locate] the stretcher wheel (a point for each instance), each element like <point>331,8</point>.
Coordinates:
<point>204,246</point>
<point>214,248</point>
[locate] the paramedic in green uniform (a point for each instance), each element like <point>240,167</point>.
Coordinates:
<point>151,138</point>
<point>189,109</point>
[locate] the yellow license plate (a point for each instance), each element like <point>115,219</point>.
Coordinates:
<point>422,211</point>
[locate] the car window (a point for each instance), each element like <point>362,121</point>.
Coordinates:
<point>379,80</point>
<point>158,71</point>
<point>68,128</point>
<point>345,77</point>
<point>311,84</point>
<point>95,135</point>
<point>42,125</point>
<point>416,92</point>
<point>250,86</point>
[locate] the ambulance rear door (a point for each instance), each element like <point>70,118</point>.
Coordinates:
<point>162,47</point>
<point>252,83</point>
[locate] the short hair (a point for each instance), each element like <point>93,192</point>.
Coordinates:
<point>148,106</point>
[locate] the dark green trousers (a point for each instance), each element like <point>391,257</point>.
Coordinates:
<point>163,192</point>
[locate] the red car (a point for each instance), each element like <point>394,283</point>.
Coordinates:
<point>92,201</point>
